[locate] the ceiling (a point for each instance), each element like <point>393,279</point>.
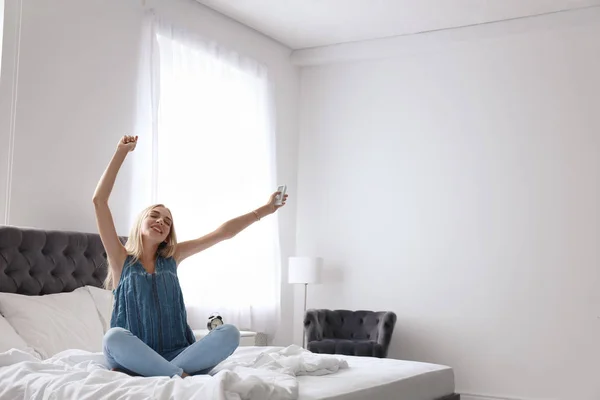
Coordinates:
<point>311,23</point>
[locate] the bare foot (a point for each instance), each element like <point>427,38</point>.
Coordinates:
<point>184,375</point>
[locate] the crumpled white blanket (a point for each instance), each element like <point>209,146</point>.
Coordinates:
<point>292,360</point>
<point>251,373</point>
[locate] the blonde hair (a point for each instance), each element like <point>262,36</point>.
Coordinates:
<point>134,245</point>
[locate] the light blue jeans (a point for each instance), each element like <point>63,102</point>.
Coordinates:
<point>127,352</point>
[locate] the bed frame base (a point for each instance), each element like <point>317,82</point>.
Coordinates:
<point>454,396</point>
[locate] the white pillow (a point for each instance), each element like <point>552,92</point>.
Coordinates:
<point>9,339</point>
<point>104,304</point>
<point>55,322</point>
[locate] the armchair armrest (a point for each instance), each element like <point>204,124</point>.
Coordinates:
<point>312,326</point>
<point>385,330</point>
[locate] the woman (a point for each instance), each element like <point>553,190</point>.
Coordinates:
<point>149,334</point>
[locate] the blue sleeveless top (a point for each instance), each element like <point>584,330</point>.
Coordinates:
<point>151,306</point>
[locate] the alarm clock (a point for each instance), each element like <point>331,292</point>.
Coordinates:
<point>213,321</point>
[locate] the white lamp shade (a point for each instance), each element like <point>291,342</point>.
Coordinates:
<point>304,269</point>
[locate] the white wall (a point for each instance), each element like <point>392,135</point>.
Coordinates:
<point>76,94</point>
<point>6,72</point>
<point>1,30</point>
<point>74,98</point>
<point>459,186</point>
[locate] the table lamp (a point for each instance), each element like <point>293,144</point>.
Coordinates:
<point>304,270</point>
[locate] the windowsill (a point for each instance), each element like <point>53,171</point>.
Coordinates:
<point>247,338</point>
<point>200,333</point>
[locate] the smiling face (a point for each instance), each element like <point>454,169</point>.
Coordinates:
<point>154,225</point>
<point>157,224</point>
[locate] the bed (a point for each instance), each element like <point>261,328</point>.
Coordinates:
<point>54,313</point>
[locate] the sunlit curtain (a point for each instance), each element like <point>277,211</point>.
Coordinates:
<point>214,159</point>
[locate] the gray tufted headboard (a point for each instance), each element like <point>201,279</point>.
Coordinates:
<point>38,262</point>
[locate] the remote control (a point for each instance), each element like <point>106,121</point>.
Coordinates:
<point>279,199</point>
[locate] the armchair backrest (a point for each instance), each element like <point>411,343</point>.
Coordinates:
<point>351,325</point>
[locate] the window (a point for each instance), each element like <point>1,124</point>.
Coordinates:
<point>214,161</point>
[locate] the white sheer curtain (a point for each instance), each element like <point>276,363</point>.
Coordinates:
<point>214,159</point>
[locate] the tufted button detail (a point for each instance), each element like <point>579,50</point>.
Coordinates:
<point>36,261</point>
<point>359,334</point>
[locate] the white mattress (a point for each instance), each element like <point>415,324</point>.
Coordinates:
<point>251,373</point>
<point>380,379</point>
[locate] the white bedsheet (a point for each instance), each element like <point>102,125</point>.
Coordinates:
<point>254,373</point>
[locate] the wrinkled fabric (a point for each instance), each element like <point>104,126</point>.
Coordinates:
<point>151,306</point>
<point>251,373</point>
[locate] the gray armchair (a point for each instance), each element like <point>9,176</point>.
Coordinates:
<point>357,333</point>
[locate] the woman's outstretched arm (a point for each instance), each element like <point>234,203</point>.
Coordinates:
<point>115,251</point>
<point>227,230</point>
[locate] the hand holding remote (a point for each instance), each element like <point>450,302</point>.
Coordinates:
<point>278,199</point>
<point>281,196</point>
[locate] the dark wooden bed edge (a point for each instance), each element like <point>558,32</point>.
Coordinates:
<point>454,396</point>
